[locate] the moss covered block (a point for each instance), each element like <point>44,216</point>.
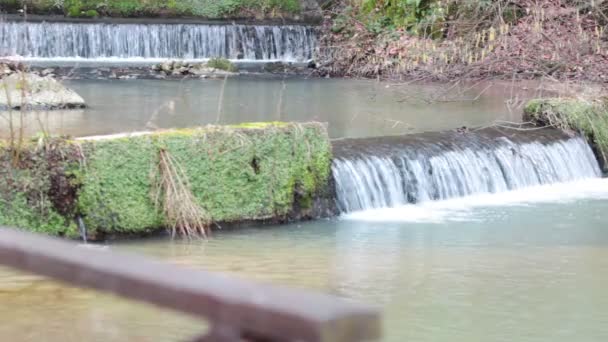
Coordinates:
<point>589,117</point>
<point>250,173</point>
<point>35,187</point>
<point>115,193</point>
<point>236,173</point>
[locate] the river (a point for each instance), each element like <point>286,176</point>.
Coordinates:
<point>525,265</point>
<point>352,108</point>
<point>529,265</point>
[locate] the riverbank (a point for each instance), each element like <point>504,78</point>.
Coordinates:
<point>447,41</point>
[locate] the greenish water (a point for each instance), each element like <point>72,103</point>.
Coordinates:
<point>352,108</point>
<point>530,265</point>
<point>527,266</point>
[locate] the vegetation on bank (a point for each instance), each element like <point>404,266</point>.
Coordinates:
<point>221,64</point>
<point>212,9</point>
<point>589,117</point>
<point>433,39</point>
<point>185,180</point>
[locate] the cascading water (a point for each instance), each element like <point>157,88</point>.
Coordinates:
<point>156,41</point>
<point>393,174</point>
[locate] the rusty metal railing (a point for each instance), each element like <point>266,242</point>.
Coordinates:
<point>237,310</point>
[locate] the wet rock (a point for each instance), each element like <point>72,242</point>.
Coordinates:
<point>5,70</point>
<point>37,92</point>
<point>47,71</point>
<point>201,69</point>
<point>276,67</point>
<point>178,68</point>
<point>166,67</point>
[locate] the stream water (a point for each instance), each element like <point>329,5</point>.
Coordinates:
<point>518,258</point>
<point>353,108</point>
<point>528,265</point>
<point>460,236</point>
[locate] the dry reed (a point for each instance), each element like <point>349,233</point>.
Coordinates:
<point>183,214</point>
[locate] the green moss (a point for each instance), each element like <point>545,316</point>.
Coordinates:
<point>18,212</point>
<point>91,14</point>
<point>221,64</point>
<point>73,8</point>
<point>250,171</point>
<point>34,193</point>
<point>116,186</point>
<point>588,117</point>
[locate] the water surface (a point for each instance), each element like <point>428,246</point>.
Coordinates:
<point>353,108</point>
<point>529,265</point>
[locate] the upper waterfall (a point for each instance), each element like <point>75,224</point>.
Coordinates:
<point>157,41</point>
<point>395,172</point>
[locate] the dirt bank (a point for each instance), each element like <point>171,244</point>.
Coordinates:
<point>560,40</point>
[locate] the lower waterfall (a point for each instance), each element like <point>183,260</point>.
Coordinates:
<point>389,173</point>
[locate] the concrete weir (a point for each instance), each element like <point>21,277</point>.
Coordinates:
<point>269,172</point>
<point>392,171</point>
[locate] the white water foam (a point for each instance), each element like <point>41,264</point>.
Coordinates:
<point>169,41</point>
<point>463,208</point>
<point>475,166</point>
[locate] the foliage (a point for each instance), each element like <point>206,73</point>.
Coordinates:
<point>408,14</point>
<point>431,18</point>
<point>130,8</point>
<point>91,14</point>
<point>253,171</point>
<point>585,116</point>
<point>116,186</point>
<point>222,64</point>
<point>38,193</point>
<point>465,39</point>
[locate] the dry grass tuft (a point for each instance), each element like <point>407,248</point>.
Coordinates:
<point>184,216</point>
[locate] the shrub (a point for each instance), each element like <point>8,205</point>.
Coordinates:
<point>222,64</point>
<point>91,14</point>
<point>202,8</point>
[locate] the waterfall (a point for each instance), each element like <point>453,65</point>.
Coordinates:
<point>156,41</point>
<point>422,170</point>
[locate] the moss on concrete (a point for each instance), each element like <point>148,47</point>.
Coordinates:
<point>253,171</point>
<point>116,184</point>
<point>589,117</point>
<point>37,193</point>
